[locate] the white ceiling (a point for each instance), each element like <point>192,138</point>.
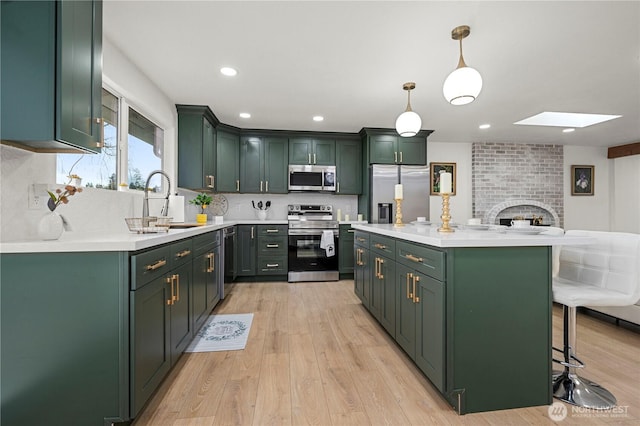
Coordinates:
<point>348,61</point>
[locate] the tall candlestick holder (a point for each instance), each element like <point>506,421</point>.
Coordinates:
<point>446,217</point>
<point>398,223</point>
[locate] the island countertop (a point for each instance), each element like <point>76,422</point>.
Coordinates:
<point>118,241</point>
<point>499,237</point>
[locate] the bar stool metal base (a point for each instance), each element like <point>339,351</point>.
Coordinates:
<point>576,390</point>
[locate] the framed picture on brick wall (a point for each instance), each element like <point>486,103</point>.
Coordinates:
<point>435,169</point>
<point>582,180</point>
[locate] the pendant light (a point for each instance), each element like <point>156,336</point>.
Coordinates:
<point>408,123</point>
<point>463,85</point>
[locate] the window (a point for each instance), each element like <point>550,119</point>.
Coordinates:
<point>122,161</point>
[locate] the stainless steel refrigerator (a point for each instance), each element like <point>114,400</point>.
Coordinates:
<point>415,186</point>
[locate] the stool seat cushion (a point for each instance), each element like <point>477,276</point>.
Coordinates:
<point>606,273</point>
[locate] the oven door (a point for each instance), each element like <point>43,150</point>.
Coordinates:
<point>307,261</point>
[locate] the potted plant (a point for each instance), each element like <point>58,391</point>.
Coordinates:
<point>202,200</point>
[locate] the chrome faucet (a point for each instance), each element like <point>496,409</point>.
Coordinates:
<point>145,203</point>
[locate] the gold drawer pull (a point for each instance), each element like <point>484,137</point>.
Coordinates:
<point>415,259</point>
<point>362,240</point>
<point>272,265</point>
<point>183,253</point>
<point>158,264</point>
<point>273,245</point>
<point>380,246</point>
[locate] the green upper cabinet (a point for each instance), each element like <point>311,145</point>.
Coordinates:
<point>227,161</point>
<point>263,164</point>
<point>312,151</point>
<point>51,67</point>
<point>196,147</point>
<point>349,167</point>
<point>387,147</point>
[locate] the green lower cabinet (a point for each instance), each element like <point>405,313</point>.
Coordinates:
<point>213,279</point>
<point>246,250</point>
<point>201,278</point>
<point>383,288</point>
<point>181,322</point>
<point>346,250</point>
<point>362,276</point>
<point>430,344</point>
<point>405,310</point>
<point>272,252</point>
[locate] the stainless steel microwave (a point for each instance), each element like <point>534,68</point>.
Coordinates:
<point>312,178</point>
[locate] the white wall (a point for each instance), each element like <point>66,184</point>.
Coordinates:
<point>460,204</point>
<point>586,211</point>
<point>625,207</point>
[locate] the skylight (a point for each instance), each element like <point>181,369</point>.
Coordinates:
<point>566,119</point>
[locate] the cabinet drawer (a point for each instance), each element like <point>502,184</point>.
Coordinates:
<point>272,229</point>
<point>362,239</point>
<point>149,265</point>
<point>272,246</point>
<point>181,252</point>
<point>383,245</point>
<point>272,265</point>
<point>204,242</point>
<point>423,259</point>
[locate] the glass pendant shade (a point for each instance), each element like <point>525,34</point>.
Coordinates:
<point>462,86</point>
<point>408,124</point>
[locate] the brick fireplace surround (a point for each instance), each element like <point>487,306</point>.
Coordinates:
<point>517,180</point>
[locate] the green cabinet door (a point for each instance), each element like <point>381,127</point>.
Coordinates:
<point>196,147</point>
<point>320,152</point>
<point>382,149</point>
<point>405,310</point>
<point>349,167</point>
<point>150,340</point>
<point>358,279</point>
<point>251,168</point>
<point>275,159</point>
<point>213,284</point>
<point>430,343</point>
<point>362,276</point>
<point>180,323</point>
<point>227,161</point>
<point>387,276</point>
<point>346,249</point>
<point>246,250</point>
<point>412,151</point>
<point>51,74</point>
<point>201,275</point>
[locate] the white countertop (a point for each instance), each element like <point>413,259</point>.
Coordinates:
<point>429,235</point>
<point>125,241</point>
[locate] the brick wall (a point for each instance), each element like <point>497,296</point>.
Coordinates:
<point>503,172</point>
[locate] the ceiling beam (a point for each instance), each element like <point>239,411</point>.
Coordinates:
<point>624,150</point>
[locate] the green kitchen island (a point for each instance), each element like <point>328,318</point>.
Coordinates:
<point>471,308</point>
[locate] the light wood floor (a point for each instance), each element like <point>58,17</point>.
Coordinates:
<point>316,356</point>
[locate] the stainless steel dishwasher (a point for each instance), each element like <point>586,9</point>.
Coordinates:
<point>229,259</point>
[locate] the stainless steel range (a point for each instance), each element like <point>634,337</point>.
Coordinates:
<point>313,243</point>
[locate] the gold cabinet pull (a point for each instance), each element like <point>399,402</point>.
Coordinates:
<point>183,253</point>
<point>237,185</point>
<point>273,245</point>
<point>375,268</point>
<point>266,189</point>
<point>314,158</point>
<point>100,143</point>
<point>362,240</point>
<point>409,277</point>
<point>170,281</point>
<point>338,190</point>
<point>416,298</point>
<point>213,262</point>
<point>252,232</point>
<point>260,186</point>
<point>380,246</point>
<point>271,231</point>
<point>309,158</point>
<point>160,263</point>
<point>177,288</point>
<point>210,259</point>
<point>401,156</point>
<point>395,156</point>
<point>380,268</point>
<point>415,259</point>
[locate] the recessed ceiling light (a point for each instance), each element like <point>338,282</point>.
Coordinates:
<point>566,119</point>
<point>228,71</point>
<point>245,115</point>
<point>484,126</point>
<point>318,118</point>
<point>569,130</point>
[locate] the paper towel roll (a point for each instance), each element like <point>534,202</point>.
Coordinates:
<point>176,208</point>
